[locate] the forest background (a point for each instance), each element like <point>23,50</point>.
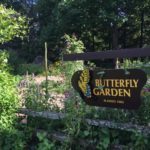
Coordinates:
<point>100,25</point>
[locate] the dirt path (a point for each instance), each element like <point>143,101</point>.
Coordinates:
<point>40,79</point>
<point>55,99</point>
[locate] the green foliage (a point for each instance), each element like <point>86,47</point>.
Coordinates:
<point>9,136</point>
<point>12,24</point>
<point>3,60</point>
<point>74,120</point>
<point>105,139</point>
<point>73,44</point>
<point>8,100</point>
<point>35,97</point>
<point>44,143</point>
<point>14,61</point>
<point>140,141</point>
<point>56,68</point>
<point>12,140</point>
<point>97,23</point>
<point>67,69</point>
<point>139,64</point>
<point>8,96</point>
<point>30,68</point>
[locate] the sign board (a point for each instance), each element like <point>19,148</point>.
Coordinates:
<point>110,88</point>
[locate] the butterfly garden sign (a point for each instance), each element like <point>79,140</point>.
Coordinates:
<point>116,88</point>
<point>110,88</point>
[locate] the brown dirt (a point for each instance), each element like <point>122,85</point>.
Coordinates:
<point>56,99</point>
<point>40,79</point>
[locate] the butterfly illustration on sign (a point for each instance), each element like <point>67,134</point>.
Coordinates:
<point>83,83</point>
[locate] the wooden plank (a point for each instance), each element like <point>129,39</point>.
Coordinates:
<point>43,114</point>
<point>145,130</point>
<point>111,54</point>
<point>121,126</point>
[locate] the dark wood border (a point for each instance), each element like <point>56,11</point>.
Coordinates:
<point>111,54</point>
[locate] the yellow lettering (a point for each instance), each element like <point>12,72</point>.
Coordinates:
<point>97,83</point>
<point>127,93</point>
<point>107,92</point>
<point>122,83</point>
<point>127,83</point>
<point>114,92</point>
<point>95,92</point>
<point>102,92</point>
<point>107,83</point>
<point>135,83</point>
<point>117,83</point>
<point>131,84</point>
<point>120,91</point>
<point>112,83</point>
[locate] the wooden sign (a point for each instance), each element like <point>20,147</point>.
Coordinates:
<point>110,88</point>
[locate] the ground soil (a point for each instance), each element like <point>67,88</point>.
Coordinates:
<point>56,99</point>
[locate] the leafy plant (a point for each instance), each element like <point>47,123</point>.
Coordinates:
<point>104,139</point>
<point>35,97</point>
<point>8,100</point>
<point>12,24</point>
<point>139,141</point>
<point>73,45</point>
<point>14,139</point>
<point>139,64</point>
<point>44,143</point>
<point>8,106</point>
<point>4,60</point>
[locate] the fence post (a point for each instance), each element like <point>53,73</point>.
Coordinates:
<point>46,72</point>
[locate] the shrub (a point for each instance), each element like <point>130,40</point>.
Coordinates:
<point>14,60</point>
<point>73,45</point>
<point>31,68</point>
<point>139,64</point>
<point>8,107</point>
<point>8,99</point>
<point>12,24</point>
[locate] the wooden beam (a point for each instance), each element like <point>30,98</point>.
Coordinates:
<point>145,130</point>
<point>111,54</point>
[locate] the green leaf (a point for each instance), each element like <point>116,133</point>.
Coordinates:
<point>86,133</point>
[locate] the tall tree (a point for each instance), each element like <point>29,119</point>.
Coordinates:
<point>99,24</point>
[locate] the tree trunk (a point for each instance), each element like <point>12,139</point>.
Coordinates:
<point>115,38</point>
<point>93,41</point>
<point>114,41</point>
<point>142,28</point>
<point>125,36</point>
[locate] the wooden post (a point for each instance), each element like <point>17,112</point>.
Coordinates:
<point>117,64</point>
<point>46,72</point>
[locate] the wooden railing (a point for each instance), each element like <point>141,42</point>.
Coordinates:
<point>145,130</point>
